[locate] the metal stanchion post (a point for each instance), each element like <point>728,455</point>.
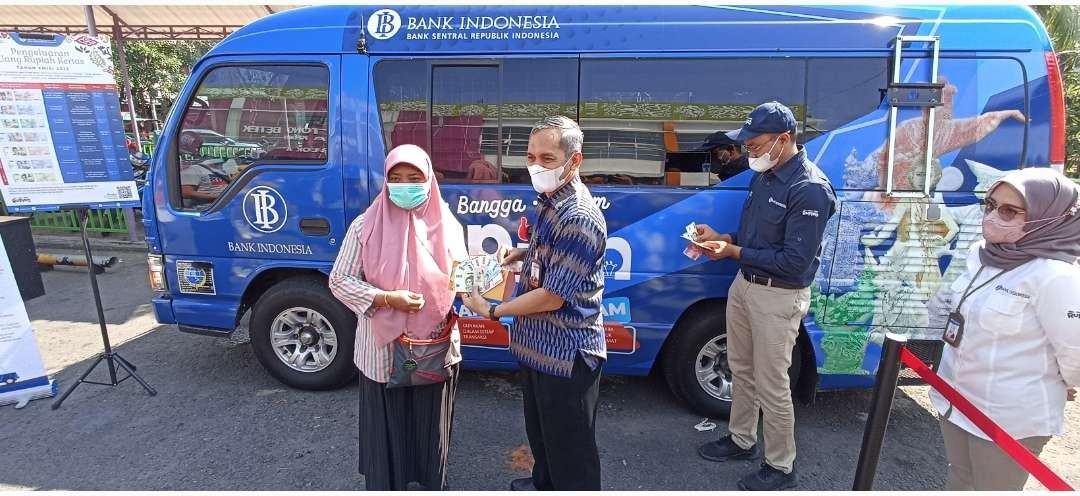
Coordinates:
<point>888,374</point>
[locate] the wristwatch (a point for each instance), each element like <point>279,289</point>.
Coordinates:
<point>491,311</point>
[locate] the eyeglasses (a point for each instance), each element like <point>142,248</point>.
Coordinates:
<point>757,149</point>
<point>1006,212</point>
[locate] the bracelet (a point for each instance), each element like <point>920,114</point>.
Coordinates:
<point>385,300</point>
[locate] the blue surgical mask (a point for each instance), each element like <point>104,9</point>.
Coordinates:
<point>408,195</point>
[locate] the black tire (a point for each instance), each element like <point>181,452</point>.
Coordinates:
<point>680,363</point>
<point>312,294</point>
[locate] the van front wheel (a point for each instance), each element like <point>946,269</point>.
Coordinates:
<point>303,336</point>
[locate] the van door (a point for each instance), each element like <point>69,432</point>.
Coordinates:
<point>251,181</point>
<point>892,246</point>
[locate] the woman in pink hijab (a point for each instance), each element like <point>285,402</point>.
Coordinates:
<point>393,270</point>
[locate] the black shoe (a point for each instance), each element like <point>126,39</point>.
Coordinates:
<point>769,479</point>
<point>725,449</point>
<point>523,484</point>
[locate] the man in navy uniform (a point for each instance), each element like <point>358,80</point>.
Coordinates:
<point>778,250</point>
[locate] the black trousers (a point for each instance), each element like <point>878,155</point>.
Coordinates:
<point>560,421</point>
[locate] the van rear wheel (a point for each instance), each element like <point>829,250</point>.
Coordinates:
<point>696,364</point>
<point>303,336</point>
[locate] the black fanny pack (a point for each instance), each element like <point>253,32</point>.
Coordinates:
<point>419,362</point>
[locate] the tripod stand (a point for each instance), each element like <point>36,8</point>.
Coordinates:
<point>110,357</point>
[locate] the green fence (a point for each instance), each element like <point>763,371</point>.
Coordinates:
<point>105,220</point>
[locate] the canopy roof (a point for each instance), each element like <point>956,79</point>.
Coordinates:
<point>137,22</point>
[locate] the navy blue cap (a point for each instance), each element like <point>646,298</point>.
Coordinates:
<point>719,138</point>
<point>767,118</point>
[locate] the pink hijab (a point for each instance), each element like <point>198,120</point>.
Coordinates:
<point>413,250</point>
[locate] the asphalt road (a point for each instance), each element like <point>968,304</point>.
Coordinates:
<point>220,423</point>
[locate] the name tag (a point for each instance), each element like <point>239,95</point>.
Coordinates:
<point>954,329</point>
<point>535,274</point>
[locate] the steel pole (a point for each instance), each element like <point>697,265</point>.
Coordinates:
<point>888,374</point>
<point>91,23</point>
<point>118,38</point>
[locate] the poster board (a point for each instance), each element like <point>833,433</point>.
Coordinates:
<point>62,138</point>
<point>22,373</point>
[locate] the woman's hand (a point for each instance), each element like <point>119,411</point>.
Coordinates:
<point>404,300</point>
<point>475,301</point>
<point>1070,394</point>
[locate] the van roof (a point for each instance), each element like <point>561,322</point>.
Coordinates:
<point>490,29</point>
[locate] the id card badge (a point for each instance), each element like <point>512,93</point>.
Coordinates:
<point>954,329</point>
<point>535,274</point>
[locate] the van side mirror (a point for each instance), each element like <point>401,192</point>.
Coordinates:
<point>139,159</point>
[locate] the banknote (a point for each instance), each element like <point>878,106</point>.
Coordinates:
<point>481,272</point>
<point>691,232</point>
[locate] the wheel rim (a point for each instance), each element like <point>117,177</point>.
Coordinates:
<point>303,339</point>
<point>711,369</point>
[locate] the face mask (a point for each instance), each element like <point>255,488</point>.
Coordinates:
<point>765,162</point>
<point>546,180</point>
<point>997,230</point>
<point>408,195</point>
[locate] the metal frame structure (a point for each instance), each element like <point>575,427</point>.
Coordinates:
<point>922,95</point>
<point>141,33</point>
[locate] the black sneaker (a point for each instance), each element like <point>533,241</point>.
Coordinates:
<point>725,449</point>
<point>769,479</point>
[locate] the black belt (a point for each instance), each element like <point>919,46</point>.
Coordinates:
<point>769,281</point>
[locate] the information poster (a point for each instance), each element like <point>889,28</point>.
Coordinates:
<point>22,374</point>
<point>61,135</point>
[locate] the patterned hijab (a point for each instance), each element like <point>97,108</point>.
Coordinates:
<point>1052,203</point>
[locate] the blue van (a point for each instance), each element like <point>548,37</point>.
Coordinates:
<point>317,95</point>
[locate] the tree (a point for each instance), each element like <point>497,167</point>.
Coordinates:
<point>1063,24</point>
<point>158,69</point>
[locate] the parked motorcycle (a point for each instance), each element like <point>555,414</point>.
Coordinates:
<point>140,166</point>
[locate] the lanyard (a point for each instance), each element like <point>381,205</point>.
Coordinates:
<point>969,291</point>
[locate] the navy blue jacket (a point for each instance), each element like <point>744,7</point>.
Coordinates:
<point>783,221</point>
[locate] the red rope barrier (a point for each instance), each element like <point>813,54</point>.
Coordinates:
<point>1010,446</point>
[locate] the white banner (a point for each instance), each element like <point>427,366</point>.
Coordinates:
<point>22,374</point>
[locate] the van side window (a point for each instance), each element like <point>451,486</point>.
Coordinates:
<point>644,119</point>
<point>841,90</point>
<point>532,89</point>
<point>401,88</point>
<point>243,114</point>
<point>465,104</point>
<point>479,127</point>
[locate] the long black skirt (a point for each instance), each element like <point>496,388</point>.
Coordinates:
<point>405,434</point>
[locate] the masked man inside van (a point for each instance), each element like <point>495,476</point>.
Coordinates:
<point>726,158</point>
<point>778,249</point>
<point>202,179</point>
<point>558,333</point>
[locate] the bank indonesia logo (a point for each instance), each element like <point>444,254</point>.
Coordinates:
<point>265,210</point>
<point>384,24</point>
<point>195,277</point>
